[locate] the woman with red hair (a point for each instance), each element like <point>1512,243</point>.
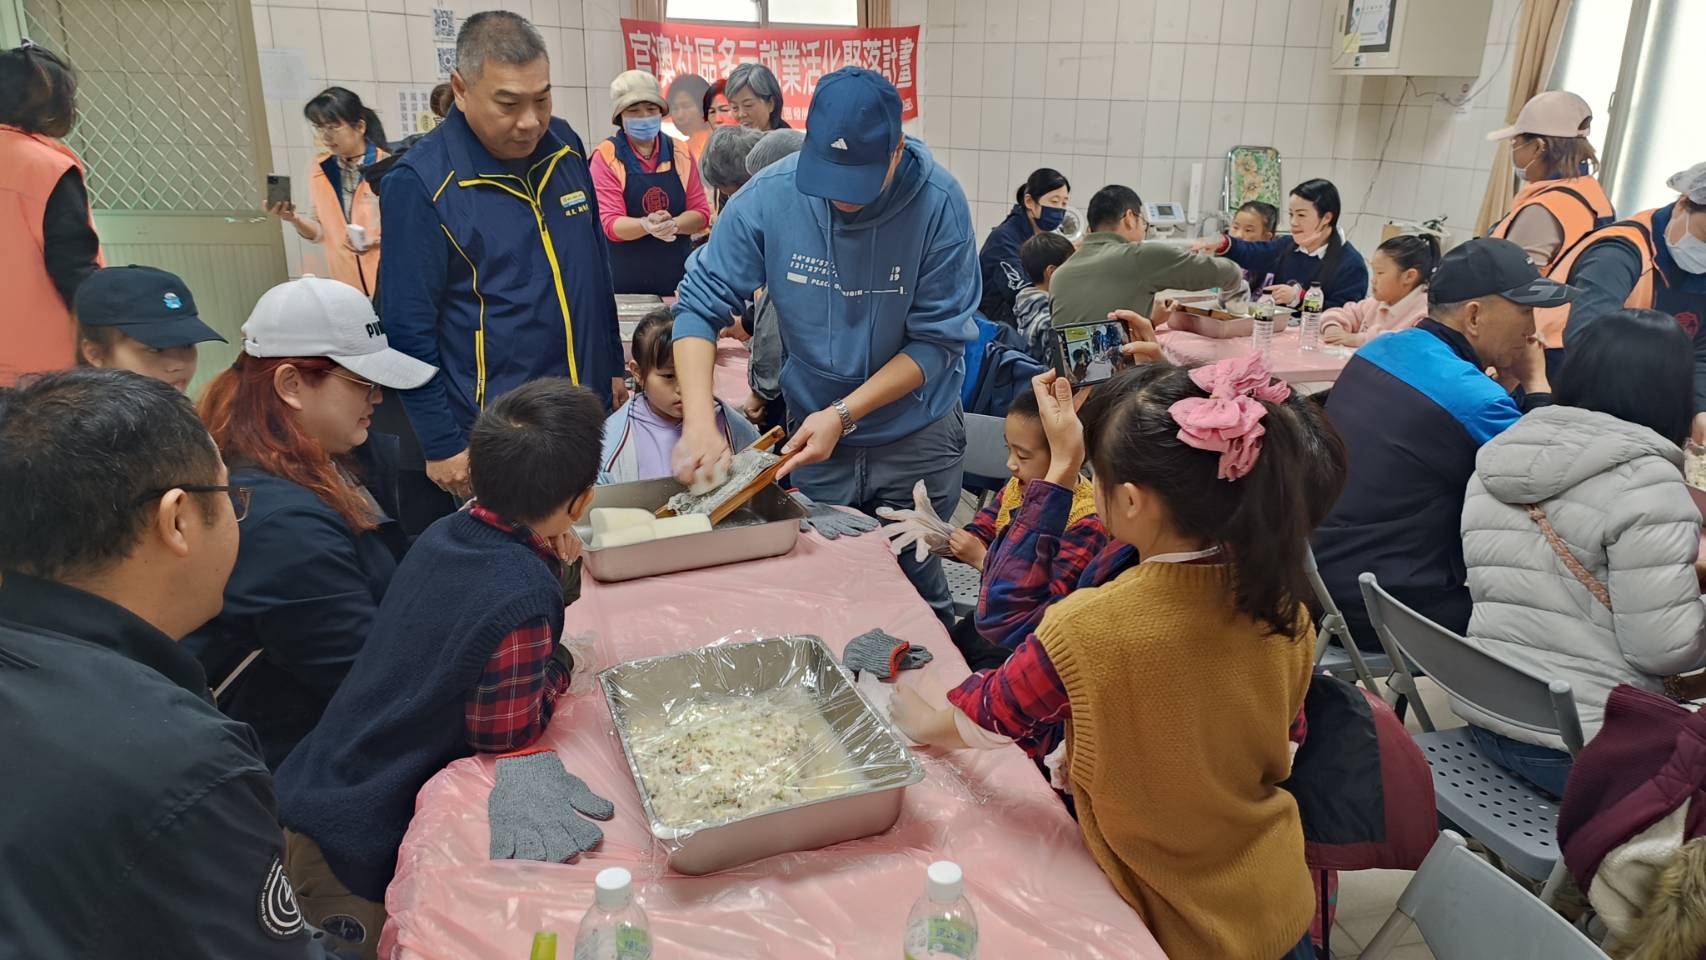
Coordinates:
<point>319,542</point>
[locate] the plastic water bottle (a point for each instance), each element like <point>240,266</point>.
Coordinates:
<point>1262,325</point>
<point>1310,334</point>
<point>544,946</point>
<point>942,924</point>
<point>614,928</point>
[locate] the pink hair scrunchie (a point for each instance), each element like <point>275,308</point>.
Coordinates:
<point>1229,420</point>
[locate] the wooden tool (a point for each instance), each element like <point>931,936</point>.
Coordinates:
<point>740,497</point>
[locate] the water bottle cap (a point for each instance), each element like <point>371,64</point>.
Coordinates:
<point>615,887</point>
<point>943,881</point>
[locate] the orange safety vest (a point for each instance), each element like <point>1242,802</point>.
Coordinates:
<point>37,331</point>
<point>360,271</point>
<point>1579,204</point>
<point>1637,231</point>
<point>684,163</point>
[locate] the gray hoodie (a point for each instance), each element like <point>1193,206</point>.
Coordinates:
<point>1614,493</point>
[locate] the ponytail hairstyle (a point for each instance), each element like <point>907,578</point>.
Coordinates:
<point>250,424</point>
<point>38,91</point>
<point>340,105</point>
<point>1413,251</point>
<point>1042,180</point>
<point>652,346</point>
<point>1262,519</point>
<point>1324,197</point>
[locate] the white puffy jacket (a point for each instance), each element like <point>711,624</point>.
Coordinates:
<point>1614,492</point>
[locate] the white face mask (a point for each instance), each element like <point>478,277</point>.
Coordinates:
<point>1521,173</point>
<point>1689,252</point>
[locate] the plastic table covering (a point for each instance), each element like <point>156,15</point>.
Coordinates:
<point>728,377</point>
<point>1288,360</point>
<point>1035,888</point>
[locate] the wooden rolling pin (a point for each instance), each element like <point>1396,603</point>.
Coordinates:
<point>749,491</point>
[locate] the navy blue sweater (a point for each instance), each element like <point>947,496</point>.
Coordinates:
<point>1288,264</point>
<point>398,718</point>
<point>1003,271</point>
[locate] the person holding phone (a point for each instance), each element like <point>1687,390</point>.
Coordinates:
<point>346,211</point>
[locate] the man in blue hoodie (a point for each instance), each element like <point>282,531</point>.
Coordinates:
<point>865,246</point>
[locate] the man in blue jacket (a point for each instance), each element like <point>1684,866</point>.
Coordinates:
<point>496,269</point>
<point>865,246</point>
<point>1414,408</point>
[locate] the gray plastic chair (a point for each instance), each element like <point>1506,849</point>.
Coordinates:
<point>1514,821</point>
<point>1335,651</point>
<point>1468,910</point>
<point>963,582</point>
<point>986,446</point>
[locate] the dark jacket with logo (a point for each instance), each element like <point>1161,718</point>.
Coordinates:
<point>304,592</point>
<point>498,274</point>
<point>1413,408</point>
<point>138,821</point>
<point>1003,271</point>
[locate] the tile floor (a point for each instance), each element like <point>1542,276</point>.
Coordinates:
<point>1366,897</point>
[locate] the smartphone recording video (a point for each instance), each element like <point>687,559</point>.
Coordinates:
<point>1089,353</point>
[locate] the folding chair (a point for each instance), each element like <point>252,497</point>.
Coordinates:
<point>1467,910</point>
<point>1515,822</point>
<point>986,473</point>
<point>963,583</point>
<point>1335,651</point>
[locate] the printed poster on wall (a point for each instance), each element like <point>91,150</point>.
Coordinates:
<point>799,56</point>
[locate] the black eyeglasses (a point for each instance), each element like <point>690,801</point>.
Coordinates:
<point>239,495</point>
<point>372,388</point>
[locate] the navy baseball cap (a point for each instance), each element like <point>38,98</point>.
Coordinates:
<point>145,303</point>
<point>1487,267</point>
<point>852,131</point>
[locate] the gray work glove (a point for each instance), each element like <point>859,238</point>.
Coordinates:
<point>829,521</point>
<point>531,815</point>
<point>879,653</point>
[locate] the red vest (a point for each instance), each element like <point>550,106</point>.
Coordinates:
<point>36,327</point>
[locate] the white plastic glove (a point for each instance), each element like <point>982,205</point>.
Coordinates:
<point>919,528</point>
<point>663,228</point>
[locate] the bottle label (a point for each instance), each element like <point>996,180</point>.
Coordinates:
<point>633,943</point>
<point>942,937</point>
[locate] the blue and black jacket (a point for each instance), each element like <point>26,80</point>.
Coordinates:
<point>1413,407</point>
<point>497,273</point>
<point>1003,271</point>
<point>1344,280</point>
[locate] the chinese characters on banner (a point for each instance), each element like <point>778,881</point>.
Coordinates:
<point>799,56</point>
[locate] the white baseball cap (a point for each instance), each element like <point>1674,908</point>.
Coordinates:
<point>1554,113</point>
<point>316,317</point>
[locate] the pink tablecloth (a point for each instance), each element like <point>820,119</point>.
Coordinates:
<point>1036,890</point>
<point>1289,361</point>
<point>728,378</point>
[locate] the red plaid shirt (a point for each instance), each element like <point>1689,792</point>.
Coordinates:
<point>1025,700</point>
<point>509,707</point>
<point>1035,560</point>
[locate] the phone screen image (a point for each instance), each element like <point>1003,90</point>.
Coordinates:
<point>1089,353</point>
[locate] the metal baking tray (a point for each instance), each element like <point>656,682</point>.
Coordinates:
<point>1223,329</point>
<point>875,749</point>
<point>767,526</point>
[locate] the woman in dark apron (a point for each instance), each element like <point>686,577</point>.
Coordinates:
<point>650,198</point>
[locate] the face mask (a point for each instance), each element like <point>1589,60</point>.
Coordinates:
<point>643,129</point>
<point>1050,218</point>
<point>1521,173</point>
<point>1689,252</point>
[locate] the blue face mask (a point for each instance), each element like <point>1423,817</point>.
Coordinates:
<point>643,129</point>
<point>1050,218</point>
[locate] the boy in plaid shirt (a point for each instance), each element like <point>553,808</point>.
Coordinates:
<point>463,657</point>
<point>1032,543</point>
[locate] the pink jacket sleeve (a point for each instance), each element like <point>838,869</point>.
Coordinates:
<point>611,203</point>
<point>1369,318</point>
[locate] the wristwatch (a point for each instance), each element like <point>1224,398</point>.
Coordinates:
<point>846,415</point>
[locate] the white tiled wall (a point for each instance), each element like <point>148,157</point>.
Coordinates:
<point>1136,91</point>
<point>379,48</point>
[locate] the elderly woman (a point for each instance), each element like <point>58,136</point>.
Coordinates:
<point>319,544</point>
<point>756,97</point>
<point>650,197</point>
<point>724,165</point>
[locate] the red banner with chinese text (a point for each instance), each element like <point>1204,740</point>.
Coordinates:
<point>799,56</point>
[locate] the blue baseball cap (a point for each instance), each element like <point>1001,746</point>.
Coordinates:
<point>852,131</point>
<point>146,303</point>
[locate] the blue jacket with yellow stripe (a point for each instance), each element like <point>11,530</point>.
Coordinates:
<point>496,272</point>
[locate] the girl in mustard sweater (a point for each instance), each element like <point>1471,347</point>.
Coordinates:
<point>1178,680</point>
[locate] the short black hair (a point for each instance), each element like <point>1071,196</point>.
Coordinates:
<point>1042,251</point>
<point>1042,181</point>
<point>497,35</point>
<point>1267,211</point>
<point>1025,405</point>
<point>1110,204</point>
<point>38,91</point>
<point>536,448</point>
<point>1638,366</point>
<point>82,452</point>
<point>335,105</point>
<point>653,346</point>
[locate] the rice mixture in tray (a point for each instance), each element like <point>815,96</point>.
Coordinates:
<point>722,758</point>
